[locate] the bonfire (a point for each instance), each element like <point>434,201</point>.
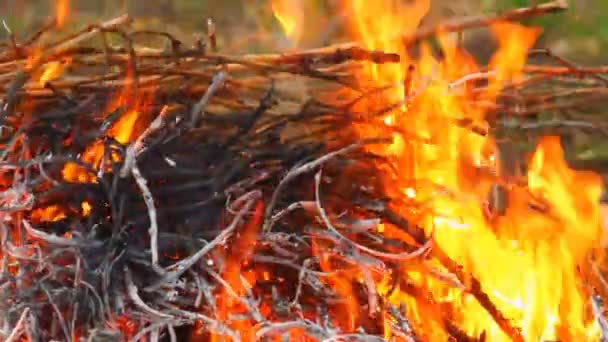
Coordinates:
<point>353,192</point>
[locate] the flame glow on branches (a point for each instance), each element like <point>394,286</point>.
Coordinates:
<point>526,260</point>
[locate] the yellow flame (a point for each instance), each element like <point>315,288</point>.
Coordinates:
<point>62,8</point>
<point>53,70</point>
<point>86,208</point>
<point>290,14</point>
<point>528,260</point>
<point>51,213</point>
<point>121,131</point>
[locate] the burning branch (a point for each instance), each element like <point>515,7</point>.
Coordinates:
<point>462,24</point>
<point>183,192</point>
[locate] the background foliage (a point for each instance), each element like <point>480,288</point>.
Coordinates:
<point>581,32</point>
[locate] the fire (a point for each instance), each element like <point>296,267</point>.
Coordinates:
<point>515,41</point>
<point>237,259</point>
<point>54,70</point>
<point>62,8</point>
<point>86,208</point>
<point>51,70</point>
<point>93,155</point>
<point>290,14</point>
<point>121,131</point>
<point>51,213</point>
<point>528,260</point>
<point>54,213</point>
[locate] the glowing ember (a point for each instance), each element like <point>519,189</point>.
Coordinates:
<point>48,214</point>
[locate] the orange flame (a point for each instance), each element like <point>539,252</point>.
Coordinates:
<point>527,260</point>
<point>240,252</point>
<point>121,131</point>
<point>62,9</point>
<point>93,155</point>
<point>290,14</point>
<point>51,213</point>
<point>53,70</point>
<point>54,213</point>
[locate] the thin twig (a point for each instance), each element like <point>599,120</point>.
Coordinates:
<point>149,200</point>
<point>419,252</point>
<point>479,21</point>
<point>596,303</point>
<point>176,270</point>
<point>49,238</point>
<point>16,332</point>
<point>306,168</point>
<point>216,83</point>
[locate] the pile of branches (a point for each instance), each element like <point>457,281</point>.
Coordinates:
<point>223,144</point>
<point>238,168</point>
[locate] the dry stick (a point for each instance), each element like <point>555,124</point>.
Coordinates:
<point>149,200</point>
<point>211,34</point>
<point>24,75</point>
<point>596,303</point>
<point>312,53</point>
<point>88,33</point>
<point>16,333</point>
<point>203,289</point>
<point>73,331</point>
<point>555,123</point>
<point>251,307</point>
<point>480,21</point>
<point>216,83</point>
<point>182,266</point>
<point>216,327</point>
<point>404,327</point>
<point>49,238</point>
<point>137,146</point>
<point>563,61</point>
<point>12,38</point>
<point>557,70</point>
<point>303,271</point>
<point>419,252</point>
<point>155,334</point>
<point>330,55</point>
<point>308,167</point>
<point>172,335</point>
<point>334,54</point>
<point>143,332</point>
<point>58,312</point>
<point>474,288</point>
<point>133,292</point>
<point>354,337</point>
<point>309,327</point>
